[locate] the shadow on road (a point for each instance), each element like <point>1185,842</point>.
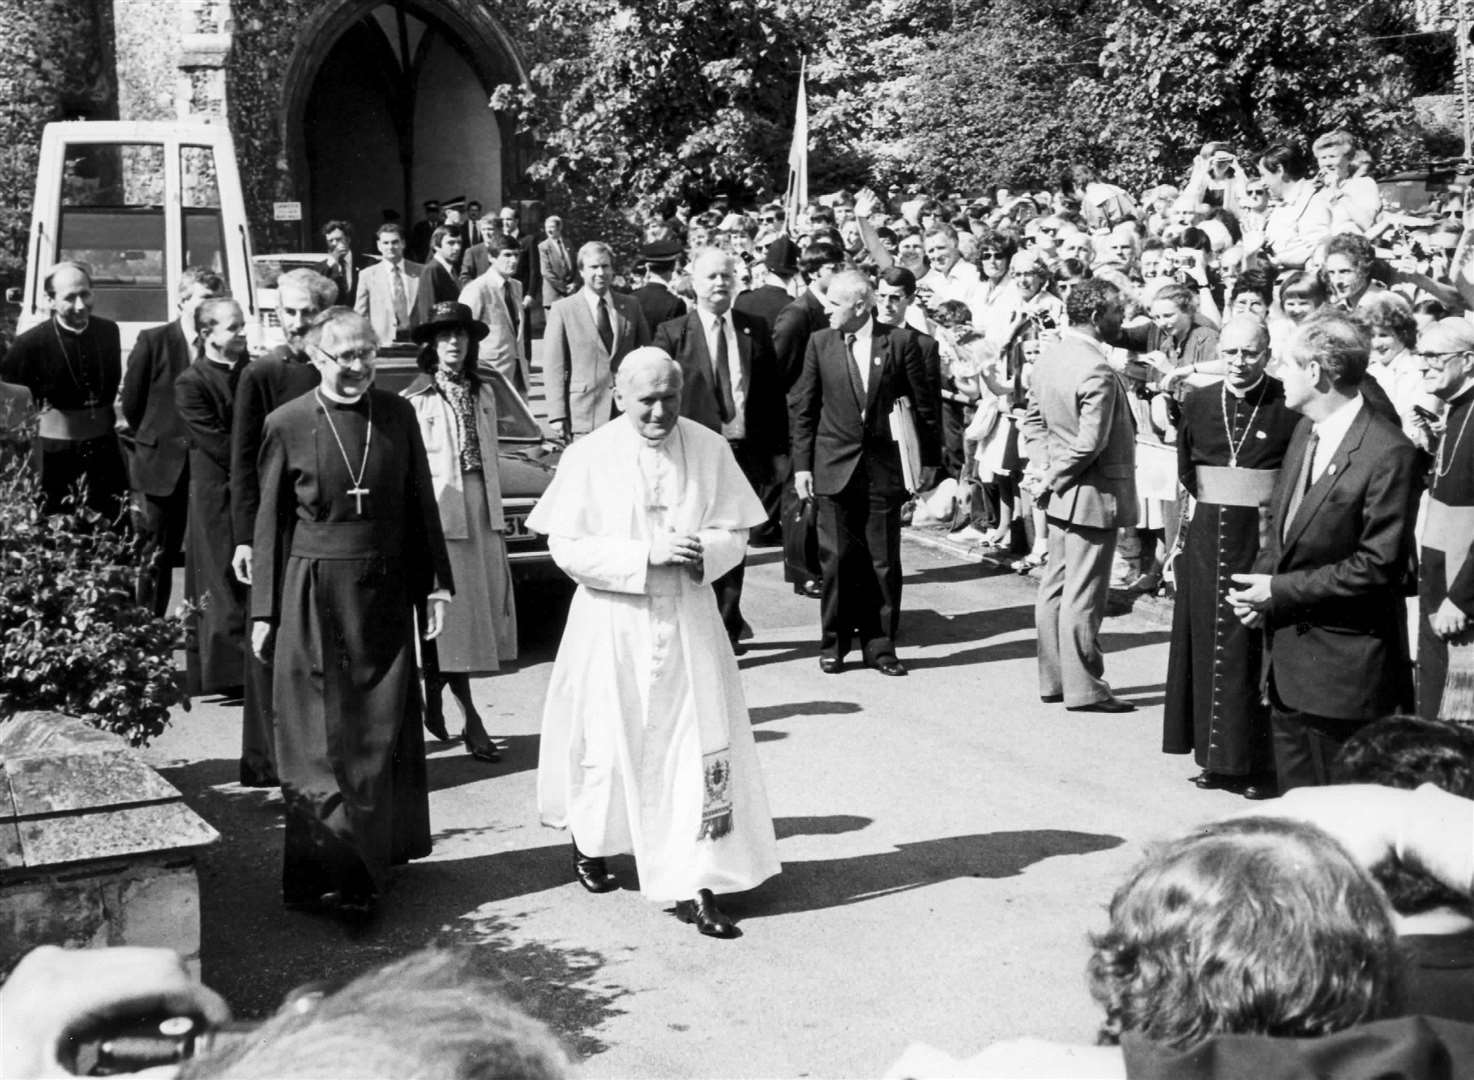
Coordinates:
<point>814,884</point>
<point>255,952</point>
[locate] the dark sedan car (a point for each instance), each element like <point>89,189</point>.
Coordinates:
<point>526,459</point>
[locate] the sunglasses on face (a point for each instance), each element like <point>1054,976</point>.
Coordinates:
<point>990,254</point>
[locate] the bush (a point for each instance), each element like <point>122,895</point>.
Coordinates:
<point>72,637</point>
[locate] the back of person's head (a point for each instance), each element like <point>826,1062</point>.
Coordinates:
<point>425,1016</point>
<point>1089,299</point>
<point>1254,926</point>
<point>953,314</point>
<point>1196,238</point>
<point>1405,752</point>
<point>1284,158</point>
<point>1338,343</point>
<point>818,255</point>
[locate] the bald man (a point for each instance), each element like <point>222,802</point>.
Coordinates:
<point>1230,445</point>
<point>646,744</point>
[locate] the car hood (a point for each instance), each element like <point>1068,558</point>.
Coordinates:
<point>525,471</point>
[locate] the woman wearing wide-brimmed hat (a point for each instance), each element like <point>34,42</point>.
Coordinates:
<point>458,422</point>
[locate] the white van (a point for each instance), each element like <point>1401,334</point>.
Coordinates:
<point>137,202</point>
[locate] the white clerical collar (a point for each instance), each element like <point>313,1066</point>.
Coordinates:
<point>1246,391</point>
<point>69,329</point>
<point>338,399</point>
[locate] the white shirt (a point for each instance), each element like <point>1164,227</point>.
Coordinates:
<point>1331,432</point>
<point>735,428</point>
<point>957,283</point>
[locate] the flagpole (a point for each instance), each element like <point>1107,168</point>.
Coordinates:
<point>796,197</point>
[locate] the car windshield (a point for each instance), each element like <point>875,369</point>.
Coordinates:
<point>514,421</point>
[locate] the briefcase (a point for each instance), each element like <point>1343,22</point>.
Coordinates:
<point>801,540</point>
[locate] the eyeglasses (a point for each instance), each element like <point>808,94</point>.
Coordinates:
<point>768,219</point>
<point>991,254</point>
<point>1255,191</point>
<point>367,355</point>
<point>1437,361</point>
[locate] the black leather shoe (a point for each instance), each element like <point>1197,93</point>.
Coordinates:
<point>831,665</point>
<point>1210,781</point>
<point>481,751</point>
<point>1258,790</point>
<point>703,911</point>
<point>889,666</point>
<point>435,725</point>
<point>592,873</point>
<point>1105,705</point>
<point>810,588</point>
<point>1051,699</point>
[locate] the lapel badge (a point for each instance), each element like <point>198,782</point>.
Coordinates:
<point>1331,469</point>
<point>1260,435</point>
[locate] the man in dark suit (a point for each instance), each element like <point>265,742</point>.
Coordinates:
<point>588,334</point>
<point>657,303</point>
<point>1082,469</point>
<point>894,292</point>
<point>343,266</point>
<point>480,256</point>
<point>843,453</point>
<point>418,245</point>
<point>529,270</point>
<point>1330,587</point>
<point>159,467</point>
<point>558,276</point>
<point>775,294</point>
<point>796,323</point>
<point>730,384</point>
<point>438,282</point>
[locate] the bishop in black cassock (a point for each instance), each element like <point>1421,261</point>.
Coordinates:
<point>1230,445</point>
<point>347,541</point>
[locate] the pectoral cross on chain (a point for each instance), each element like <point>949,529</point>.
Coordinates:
<point>358,491</point>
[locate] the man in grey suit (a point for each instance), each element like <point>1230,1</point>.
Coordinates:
<point>1082,469</point>
<point>387,291</point>
<point>588,334</point>
<point>495,298</point>
<point>558,278</point>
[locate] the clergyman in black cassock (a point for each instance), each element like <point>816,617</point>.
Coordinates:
<point>267,383</point>
<point>204,395</point>
<point>1230,445</point>
<point>347,541</point>
<point>1446,570</point>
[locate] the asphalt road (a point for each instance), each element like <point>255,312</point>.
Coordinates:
<point>948,843</point>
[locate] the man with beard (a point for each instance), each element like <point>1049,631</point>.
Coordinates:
<point>1446,577</point>
<point>1230,445</point>
<point>72,365</point>
<point>348,540</point>
<point>275,379</point>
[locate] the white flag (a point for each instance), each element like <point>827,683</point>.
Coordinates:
<point>797,196</point>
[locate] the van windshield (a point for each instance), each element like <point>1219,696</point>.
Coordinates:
<point>112,219</point>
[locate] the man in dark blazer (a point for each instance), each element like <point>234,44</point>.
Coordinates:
<point>480,256</point>
<point>557,272</point>
<point>1082,469</point>
<point>797,321</point>
<point>657,303</point>
<point>438,282</point>
<point>588,334</point>
<point>843,453</point>
<point>730,384</point>
<point>768,299</point>
<point>1331,584</point>
<point>343,265</point>
<point>158,469</point>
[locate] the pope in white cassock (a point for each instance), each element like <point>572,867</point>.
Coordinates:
<point>646,743</point>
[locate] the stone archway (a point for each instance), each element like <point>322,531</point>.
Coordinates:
<point>384,106</point>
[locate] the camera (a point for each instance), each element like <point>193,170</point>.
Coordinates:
<point>132,1044</point>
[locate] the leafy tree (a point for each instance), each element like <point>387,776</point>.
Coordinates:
<point>1174,75</point>
<point>986,99</point>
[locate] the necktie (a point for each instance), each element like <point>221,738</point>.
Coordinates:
<point>345,268</point>
<point>397,293</point>
<point>856,383</point>
<point>511,302</point>
<point>726,403</point>
<point>1302,482</point>
<point>606,328</point>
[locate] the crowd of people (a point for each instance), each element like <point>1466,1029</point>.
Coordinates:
<point>1249,391</point>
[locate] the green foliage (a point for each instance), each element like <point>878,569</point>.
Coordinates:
<point>985,97</point>
<point>1249,71</point>
<point>72,637</point>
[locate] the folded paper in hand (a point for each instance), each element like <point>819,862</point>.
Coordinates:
<point>903,431</point>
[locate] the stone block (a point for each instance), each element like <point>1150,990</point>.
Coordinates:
<point>160,907</point>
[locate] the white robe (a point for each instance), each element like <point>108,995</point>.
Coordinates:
<point>645,682</point>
